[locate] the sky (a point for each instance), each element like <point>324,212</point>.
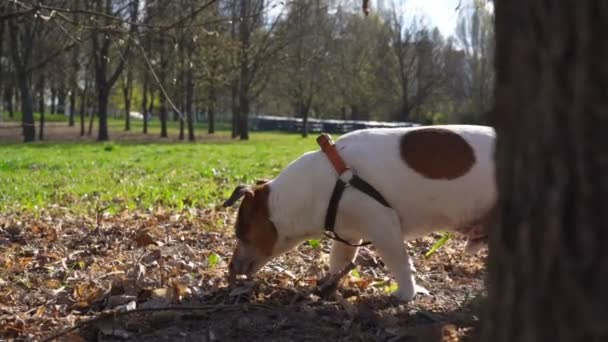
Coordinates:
<point>439,13</point>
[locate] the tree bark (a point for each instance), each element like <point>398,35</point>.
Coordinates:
<point>547,263</point>
<point>211,110</point>
<point>72,106</point>
<point>74,77</point>
<point>127,88</point>
<point>22,44</point>
<point>149,110</point>
<point>8,100</point>
<point>83,107</point>
<point>144,103</point>
<point>53,100</point>
<point>189,102</point>
<point>103,96</point>
<point>245,72</point>
<point>41,86</point>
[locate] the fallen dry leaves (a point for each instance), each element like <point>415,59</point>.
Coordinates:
<point>58,270</point>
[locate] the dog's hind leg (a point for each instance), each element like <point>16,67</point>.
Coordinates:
<point>341,255</point>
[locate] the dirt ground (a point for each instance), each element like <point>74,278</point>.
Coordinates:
<point>161,276</point>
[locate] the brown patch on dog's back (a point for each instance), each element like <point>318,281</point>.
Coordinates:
<point>253,226</point>
<point>437,153</point>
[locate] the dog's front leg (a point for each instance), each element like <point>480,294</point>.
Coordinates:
<point>341,255</point>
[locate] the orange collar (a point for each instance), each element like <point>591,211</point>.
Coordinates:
<point>327,145</point>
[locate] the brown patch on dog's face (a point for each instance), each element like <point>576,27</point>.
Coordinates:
<point>253,225</point>
<point>255,232</point>
<point>437,153</point>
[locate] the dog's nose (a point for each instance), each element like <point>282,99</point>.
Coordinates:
<point>240,266</point>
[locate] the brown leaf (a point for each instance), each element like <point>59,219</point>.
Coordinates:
<point>52,284</point>
<point>143,239</point>
<point>51,235</point>
<point>87,293</point>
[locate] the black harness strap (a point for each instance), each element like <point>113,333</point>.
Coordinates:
<point>355,181</point>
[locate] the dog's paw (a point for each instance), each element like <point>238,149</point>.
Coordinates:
<point>408,294</point>
<point>421,290</point>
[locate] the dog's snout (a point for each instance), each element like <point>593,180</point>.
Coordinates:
<point>240,265</point>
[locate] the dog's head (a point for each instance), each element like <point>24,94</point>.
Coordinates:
<point>256,234</point>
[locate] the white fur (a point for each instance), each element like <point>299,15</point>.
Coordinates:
<point>299,196</point>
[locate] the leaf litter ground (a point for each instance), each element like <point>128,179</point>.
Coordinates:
<point>161,276</point>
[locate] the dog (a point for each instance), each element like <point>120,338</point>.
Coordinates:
<point>432,178</point>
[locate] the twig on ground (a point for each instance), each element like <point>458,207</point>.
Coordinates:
<point>329,285</point>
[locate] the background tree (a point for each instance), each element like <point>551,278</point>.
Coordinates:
<point>547,261</point>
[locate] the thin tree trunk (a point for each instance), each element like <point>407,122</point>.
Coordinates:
<point>61,95</point>
<point>53,100</point>
<point>27,109</point>
<point>163,118</point>
<point>83,106</point>
<point>144,104</point>
<point>72,106</point>
<point>91,120</point>
<point>102,112</point>
<point>234,88</point>
<point>189,102</point>
<point>150,111</point>
<point>235,109</point>
<point>244,114</point>
<point>3,83</point>
<point>41,94</point>
<point>41,131</point>
<point>8,100</point>
<point>211,110</point>
<point>547,264</point>
<point>126,93</point>
<point>74,78</point>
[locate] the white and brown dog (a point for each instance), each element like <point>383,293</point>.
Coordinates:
<point>435,178</point>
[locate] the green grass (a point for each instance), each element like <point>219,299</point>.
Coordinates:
<point>84,176</point>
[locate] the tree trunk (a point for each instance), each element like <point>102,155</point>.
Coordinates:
<point>41,94</point>
<point>243,117</point>
<point>74,79</point>
<point>126,93</point>
<point>61,95</point>
<point>8,100</point>
<point>235,109</point>
<point>3,83</point>
<point>211,110</point>
<point>27,109</point>
<point>53,100</point>
<point>149,111</point>
<point>245,74</point>
<point>102,111</point>
<point>83,107</point>
<point>547,264</point>
<point>91,121</point>
<point>22,42</point>
<point>72,106</point>
<point>189,102</point>
<point>163,117</point>
<point>41,131</point>
<point>144,103</point>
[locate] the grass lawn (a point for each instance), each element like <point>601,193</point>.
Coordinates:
<point>82,176</point>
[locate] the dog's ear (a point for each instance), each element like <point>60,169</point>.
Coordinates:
<point>261,181</point>
<point>239,191</point>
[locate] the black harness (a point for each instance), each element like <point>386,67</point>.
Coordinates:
<point>324,140</point>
